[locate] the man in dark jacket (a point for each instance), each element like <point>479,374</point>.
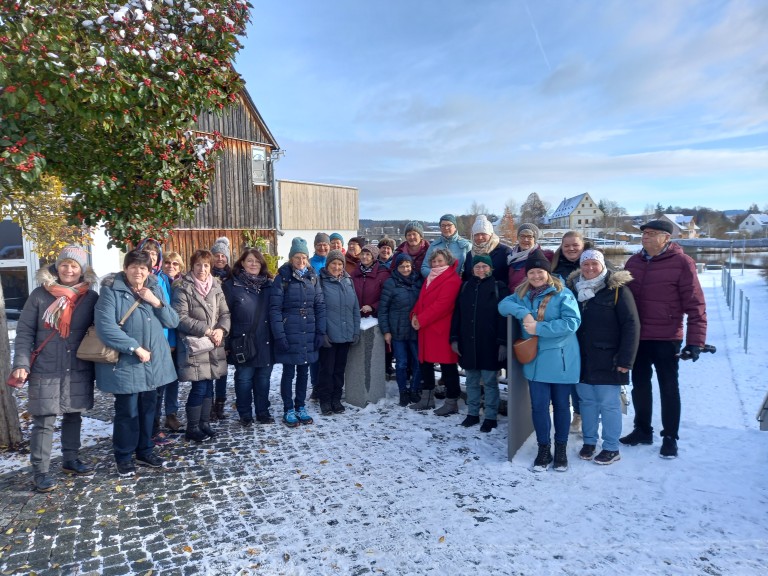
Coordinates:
<point>665,288</point>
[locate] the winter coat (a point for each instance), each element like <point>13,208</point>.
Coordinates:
<point>249,315</point>
<point>557,360</point>
<point>398,297</point>
<point>143,329</point>
<point>165,283</point>
<point>196,315</point>
<point>610,330</point>
<point>296,316</point>
<point>418,258</point>
<point>517,270</point>
<point>498,261</point>
<point>368,287</point>
<point>342,310</point>
<point>350,263</point>
<point>434,310</point>
<point>456,245</point>
<point>665,288</point>
<point>59,382</point>
<point>317,262</point>
<point>563,267</point>
<point>477,326</point>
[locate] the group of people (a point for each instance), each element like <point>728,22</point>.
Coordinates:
<point>442,303</point>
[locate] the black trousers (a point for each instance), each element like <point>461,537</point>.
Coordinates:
<point>450,374</point>
<point>333,364</point>
<point>661,355</point>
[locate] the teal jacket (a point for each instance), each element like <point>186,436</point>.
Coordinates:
<point>558,360</point>
<point>456,245</point>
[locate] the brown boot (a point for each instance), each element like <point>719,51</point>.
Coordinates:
<point>172,422</point>
<point>218,409</point>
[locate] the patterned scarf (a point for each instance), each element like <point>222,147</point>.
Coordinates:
<point>533,293</point>
<point>59,314</point>
<point>252,281</point>
<point>487,248</point>
<point>518,255</point>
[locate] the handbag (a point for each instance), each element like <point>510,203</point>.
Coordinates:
<point>526,348</point>
<point>198,344</point>
<point>93,349</point>
<point>241,349</point>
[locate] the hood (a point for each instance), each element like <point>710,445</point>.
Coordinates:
<point>159,266</point>
<point>47,276</point>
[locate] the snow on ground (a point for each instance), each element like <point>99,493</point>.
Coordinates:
<point>391,491</point>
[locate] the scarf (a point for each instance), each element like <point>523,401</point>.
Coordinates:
<point>533,293</point>
<point>203,287</point>
<point>588,288</point>
<point>366,269</point>
<point>252,281</point>
<point>518,255</point>
<point>414,251</point>
<point>59,314</point>
<point>434,273</point>
<point>486,248</point>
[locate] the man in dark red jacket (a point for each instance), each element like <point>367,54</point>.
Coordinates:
<point>666,288</point>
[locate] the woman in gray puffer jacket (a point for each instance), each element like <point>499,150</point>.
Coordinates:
<point>56,315</point>
<point>203,319</point>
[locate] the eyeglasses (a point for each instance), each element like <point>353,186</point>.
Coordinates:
<point>653,233</point>
<point>151,252</point>
<point>526,236</point>
<point>173,264</point>
<point>446,225</point>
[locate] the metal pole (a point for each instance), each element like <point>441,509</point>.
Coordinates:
<point>733,299</point>
<point>746,326</point>
<point>741,308</point>
<point>518,396</point>
<point>743,253</point>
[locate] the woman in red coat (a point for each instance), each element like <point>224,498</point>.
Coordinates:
<point>431,317</point>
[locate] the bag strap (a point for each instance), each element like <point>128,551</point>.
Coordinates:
<point>130,311</point>
<point>543,306</point>
<point>36,351</point>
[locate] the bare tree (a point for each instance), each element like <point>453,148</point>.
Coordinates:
<point>533,209</point>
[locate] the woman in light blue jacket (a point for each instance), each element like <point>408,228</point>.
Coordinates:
<point>557,363</point>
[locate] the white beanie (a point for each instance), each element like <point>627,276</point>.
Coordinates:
<point>482,226</point>
<point>592,255</point>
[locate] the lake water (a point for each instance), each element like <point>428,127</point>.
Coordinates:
<point>751,258</point>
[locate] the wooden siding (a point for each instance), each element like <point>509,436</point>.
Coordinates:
<point>318,206</point>
<point>236,121</point>
<point>185,242</point>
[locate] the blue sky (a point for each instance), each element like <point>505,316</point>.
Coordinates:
<point>428,106</point>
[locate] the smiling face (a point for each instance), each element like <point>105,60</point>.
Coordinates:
<point>201,270</point>
<point>537,277</point>
<point>447,228</point>
<point>322,248</point>
<point>299,261</point>
<point>591,269</point>
<point>336,244</point>
<point>171,267</point>
<point>353,248</point>
<point>336,268</point>
<point>385,252</point>
<point>438,260</point>
<point>136,274</point>
<point>366,258</point>
<point>252,265</point>
<point>413,238</point>
<point>526,240</point>
<point>481,238</point>
<point>572,247</point>
<point>654,241</point>
<point>405,268</point>
<point>69,272</point>
<point>481,270</point>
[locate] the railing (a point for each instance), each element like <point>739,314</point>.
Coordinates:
<point>729,291</point>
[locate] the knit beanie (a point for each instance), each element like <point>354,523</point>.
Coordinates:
<point>532,228</point>
<point>448,218</point>
<point>416,226</point>
<point>481,258</point>
<point>322,238</point>
<point>387,241</point>
<point>402,256</point>
<point>537,259</point>
<point>482,226</point>
<point>334,255</point>
<point>336,236</point>
<point>75,253</point>
<point>592,255</point>
<point>221,246</point>
<point>359,240</point>
<point>299,246</point>
<point>372,249</point>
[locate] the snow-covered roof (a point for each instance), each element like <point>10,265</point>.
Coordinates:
<point>681,220</point>
<point>761,218</point>
<point>567,206</point>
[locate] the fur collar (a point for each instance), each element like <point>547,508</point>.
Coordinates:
<point>612,281</point>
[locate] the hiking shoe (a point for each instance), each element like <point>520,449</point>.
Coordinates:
<point>77,467</point>
<point>303,415</point>
<point>668,448</point>
<point>150,461</point>
<point>637,437</point>
<point>561,457</point>
<point>338,407</point>
<point>125,467</point>
<point>326,409</point>
<point>44,482</point>
<point>543,459</point>
<point>172,422</point>
<point>290,419</point>
<point>160,439</point>
<point>607,457</point>
<point>313,396</point>
<point>587,452</point>
<point>488,425</point>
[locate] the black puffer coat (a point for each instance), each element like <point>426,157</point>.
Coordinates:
<point>477,325</point>
<point>610,330</point>
<point>398,295</point>
<point>249,314</point>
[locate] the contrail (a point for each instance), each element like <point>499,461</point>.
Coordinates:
<point>536,32</point>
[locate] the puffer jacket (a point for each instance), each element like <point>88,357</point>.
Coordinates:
<point>456,245</point>
<point>434,310</point>
<point>665,288</point>
<point>59,382</point>
<point>558,359</point>
<point>342,309</point>
<point>296,316</point>
<point>196,315</point>
<point>477,326</point>
<point>144,328</point>
<point>610,330</point>
<point>398,297</point>
<point>368,286</point>
<point>418,257</point>
<point>249,314</point>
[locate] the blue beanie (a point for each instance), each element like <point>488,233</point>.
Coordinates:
<point>401,257</point>
<point>298,246</point>
<point>449,218</point>
<point>337,236</point>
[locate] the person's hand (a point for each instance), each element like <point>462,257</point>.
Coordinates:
<point>20,374</point>
<point>415,323</point>
<point>622,369</point>
<point>356,339</point>
<point>529,325</point>
<point>388,338</point>
<point>691,351</point>
<point>148,296</point>
<point>502,353</point>
<point>326,341</point>
<point>143,354</point>
<point>216,336</point>
<point>455,348</point>
<point>366,309</point>
<point>282,345</point>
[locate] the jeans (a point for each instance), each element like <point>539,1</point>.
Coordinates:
<point>661,354</point>
<point>601,401</point>
<point>491,393</point>
<point>169,393</point>
<point>199,390</point>
<point>132,430</point>
<point>252,389</point>
<point>286,385</point>
<point>406,353</point>
<point>333,364</point>
<point>221,388</point>
<point>314,374</point>
<point>450,376</point>
<point>575,399</point>
<point>542,393</point>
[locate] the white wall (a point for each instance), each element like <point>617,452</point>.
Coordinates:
<point>284,242</point>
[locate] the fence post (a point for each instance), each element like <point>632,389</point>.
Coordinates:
<point>733,299</point>
<point>518,396</point>
<point>741,308</point>
<point>746,325</point>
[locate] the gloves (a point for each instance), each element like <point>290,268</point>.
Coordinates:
<point>282,345</point>
<point>502,353</point>
<point>326,341</point>
<point>691,351</point>
<point>355,339</point>
<point>455,348</point>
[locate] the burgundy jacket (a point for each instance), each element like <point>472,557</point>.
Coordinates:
<point>665,288</point>
<point>418,258</point>
<point>368,286</point>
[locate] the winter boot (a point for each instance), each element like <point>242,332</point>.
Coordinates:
<point>426,401</point>
<point>470,421</point>
<point>561,457</point>
<point>543,458</point>
<point>193,424</point>
<point>218,407</point>
<point>450,406</point>
<point>415,396</point>
<point>405,398</point>
<point>205,423</point>
<point>488,425</point>
<point>172,423</point>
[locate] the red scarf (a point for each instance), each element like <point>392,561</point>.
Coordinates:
<point>59,314</point>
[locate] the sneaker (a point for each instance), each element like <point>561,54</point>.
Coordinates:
<point>338,407</point>
<point>77,467</point>
<point>543,459</point>
<point>587,452</point>
<point>265,418</point>
<point>576,424</point>
<point>290,419</point>
<point>150,461</point>
<point>561,457</point>
<point>607,457</point>
<point>160,439</point>
<point>637,437</point>
<point>44,482</point>
<point>125,467</point>
<point>668,448</point>
<point>488,425</point>
<point>303,415</point>
<point>470,421</point>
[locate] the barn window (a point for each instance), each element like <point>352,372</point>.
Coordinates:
<point>259,161</point>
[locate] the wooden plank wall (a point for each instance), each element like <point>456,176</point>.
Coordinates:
<point>234,121</point>
<point>320,206</point>
<point>185,241</point>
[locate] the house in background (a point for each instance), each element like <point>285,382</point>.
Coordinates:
<point>577,213</point>
<point>684,227</point>
<point>755,225</point>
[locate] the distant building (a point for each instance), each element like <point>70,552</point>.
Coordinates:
<point>576,213</point>
<point>755,224</point>
<point>684,226</point>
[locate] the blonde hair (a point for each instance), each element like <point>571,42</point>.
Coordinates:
<point>555,281</point>
<point>175,256</point>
